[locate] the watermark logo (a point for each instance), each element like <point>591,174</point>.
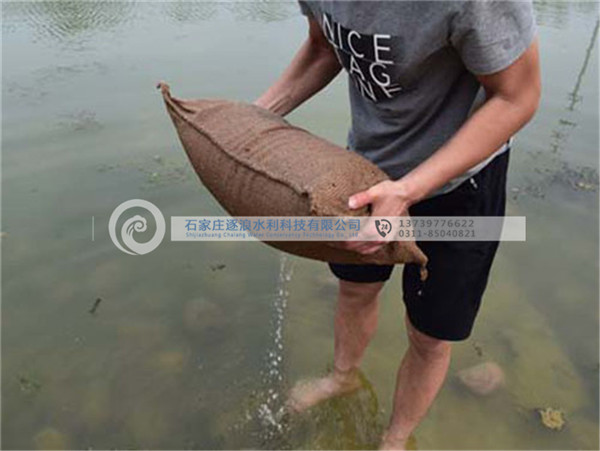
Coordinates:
<point>355,228</point>
<point>125,241</point>
<point>383,227</point>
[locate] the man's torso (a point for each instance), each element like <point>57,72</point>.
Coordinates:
<point>409,89</point>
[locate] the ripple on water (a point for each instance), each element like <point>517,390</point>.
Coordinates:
<point>68,20</point>
<point>263,10</point>
<point>186,11</point>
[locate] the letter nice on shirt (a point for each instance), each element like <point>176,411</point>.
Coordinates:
<point>367,58</point>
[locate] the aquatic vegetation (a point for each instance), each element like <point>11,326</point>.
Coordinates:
<point>217,267</point>
<point>28,383</point>
<point>564,175</point>
<point>586,186</point>
<point>105,167</point>
<point>349,422</point>
<point>559,170</point>
<point>158,171</point>
<point>577,178</point>
<point>552,418</point>
<point>80,121</point>
<point>165,172</point>
<point>95,306</point>
<point>477,348</point>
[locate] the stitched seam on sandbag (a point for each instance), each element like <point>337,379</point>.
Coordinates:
<point>298,190</point>
<point>171,102</point>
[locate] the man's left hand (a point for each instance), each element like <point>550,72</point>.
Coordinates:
<point>387,198</point>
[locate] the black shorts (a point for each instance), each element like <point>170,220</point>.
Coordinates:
<point>446,304</point>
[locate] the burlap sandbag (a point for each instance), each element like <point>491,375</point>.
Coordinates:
<point>256,164</point>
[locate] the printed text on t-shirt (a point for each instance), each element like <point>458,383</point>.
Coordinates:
<point>367,58</point>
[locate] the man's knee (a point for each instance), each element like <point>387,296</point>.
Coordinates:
<point>425,345</point>
<point>359,293</point>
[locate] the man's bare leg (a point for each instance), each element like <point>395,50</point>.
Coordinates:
<point>355,323</point>
<point>420,377</point>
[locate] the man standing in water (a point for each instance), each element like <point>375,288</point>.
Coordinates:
<point>437,89</point>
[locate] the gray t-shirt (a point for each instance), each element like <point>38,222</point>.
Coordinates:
<point>412,66</point>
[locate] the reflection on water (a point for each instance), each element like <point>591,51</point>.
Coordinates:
<point>196,346</point>
<point>574,95</point>
<point>560,13</point>
<point>552,168</point>
<point>66,20</point>
<point>187,11</point>
<point>263,10</point>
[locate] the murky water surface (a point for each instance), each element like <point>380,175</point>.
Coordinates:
<point>195,345</point>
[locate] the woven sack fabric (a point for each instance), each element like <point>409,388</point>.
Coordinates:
<point>257,164</point>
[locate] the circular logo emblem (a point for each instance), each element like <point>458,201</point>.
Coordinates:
<point>136,223</point>
<point>383,227</point>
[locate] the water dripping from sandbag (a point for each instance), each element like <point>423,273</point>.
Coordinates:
<point>270,411</point>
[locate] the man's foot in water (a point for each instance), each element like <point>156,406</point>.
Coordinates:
<point>391,442</point>
<point>308,393</point>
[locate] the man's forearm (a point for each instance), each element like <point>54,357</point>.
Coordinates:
<point>313,67</point>
<point>513,97</point>
<point>485,132</point>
